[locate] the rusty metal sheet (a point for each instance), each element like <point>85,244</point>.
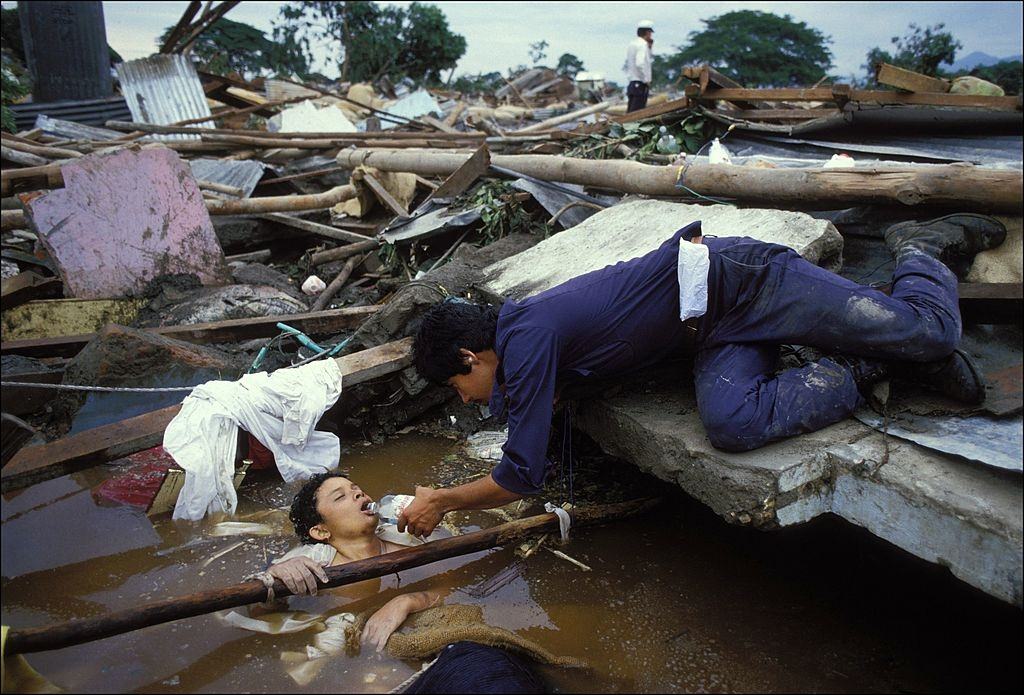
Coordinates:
<point>164,89</point>
<point>123,219</point>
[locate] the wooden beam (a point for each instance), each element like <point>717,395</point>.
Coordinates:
<point>863,95</point>
<point>229,331</point>
<point>382,194</point>
<point>706,76</point>
<point>910,80</point>
<point>654,111</point>
<point>991,302</point>
<point>109,442</point>
<point>781,114</point>
<point>314,227</point>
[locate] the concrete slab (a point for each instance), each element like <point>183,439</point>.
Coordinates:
<point>123,219</point>
<point>630,230</point>
<point>947,510</point>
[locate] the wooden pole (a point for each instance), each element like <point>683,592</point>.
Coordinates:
<point>341,252</point>
<point>565,118</point>
<point>282,203</point>
<point>61,635</point>
<point>336,284</point>
<point>964,186</point>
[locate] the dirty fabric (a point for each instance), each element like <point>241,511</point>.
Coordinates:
<point>280,410</point>
<point>467,667</point>
<point>762,295</point>
<point>17,675</point>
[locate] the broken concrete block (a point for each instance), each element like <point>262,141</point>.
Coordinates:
<point>123,219</point>
<point>1005,263</point>
<point>629,230</point>
<point>127,357</point>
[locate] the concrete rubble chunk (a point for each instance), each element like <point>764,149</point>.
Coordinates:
<point>123,219</point>
<point>631,229</point>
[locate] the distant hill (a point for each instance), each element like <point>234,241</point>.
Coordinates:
<point>973,60</point>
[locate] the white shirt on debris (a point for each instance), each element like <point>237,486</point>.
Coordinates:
<point>638,61</point>
<point>692,269</point>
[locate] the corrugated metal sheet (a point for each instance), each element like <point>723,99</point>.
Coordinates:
<point>240,174</point>
<point>72,130</point>
<point>278,89</point>
<point>94,112</point>
<point>164,89</point>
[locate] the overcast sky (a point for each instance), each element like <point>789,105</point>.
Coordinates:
<point>499,33</point>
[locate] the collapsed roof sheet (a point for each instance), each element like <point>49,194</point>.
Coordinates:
<point>163,90</point>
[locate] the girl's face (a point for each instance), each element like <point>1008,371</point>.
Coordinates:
<point>343,508</point>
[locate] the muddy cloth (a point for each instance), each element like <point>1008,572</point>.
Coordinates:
<point>467,667</point>
<point>761,295</point>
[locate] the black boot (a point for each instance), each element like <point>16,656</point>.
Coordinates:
<point>952,239</point>
<point>954,376</point>
<point>866,371</point>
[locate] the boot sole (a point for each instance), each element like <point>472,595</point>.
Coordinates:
<point>975,237</point>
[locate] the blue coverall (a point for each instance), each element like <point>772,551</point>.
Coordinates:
<point>625,317</point>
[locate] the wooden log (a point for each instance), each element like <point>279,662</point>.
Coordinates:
<point>61,635</point>
<point>24,158</point>
<point>565,118</point>
<point>332,136</point>
<point>284,203</point>
<point>314,227</point>
<point>337,283</point>
<point>181,27</point>
<point>13,219</point>
<point>250,257</point>
<point>101,444</point>
<point>342,252</point>
<point>965,186</point>
<point>228,331</point>
<point>909,80</point>
<point>41,150</point>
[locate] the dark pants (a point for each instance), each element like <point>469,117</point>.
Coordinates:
<point>763,295</point>
<point>466,667</point>
<point>637,93</point>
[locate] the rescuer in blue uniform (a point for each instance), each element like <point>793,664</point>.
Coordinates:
<point>731,302</point>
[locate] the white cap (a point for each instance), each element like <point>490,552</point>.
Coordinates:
<point>645,24</point>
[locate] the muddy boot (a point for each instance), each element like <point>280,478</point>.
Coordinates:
<point>866,371</point>
<point>952,239</point>
<point>955,377</point>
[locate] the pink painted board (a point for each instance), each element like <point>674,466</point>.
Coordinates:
<point>123,219</point>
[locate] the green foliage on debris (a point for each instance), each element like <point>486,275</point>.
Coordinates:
<point>641,139</point>
<point>757,49</point>
<point>502,213</point>
<point>921,49</point>
<point>229,46</point>
<point>480,83</point>
<point>569,65</point>
<point>15,86</point>
<point>372,41</point>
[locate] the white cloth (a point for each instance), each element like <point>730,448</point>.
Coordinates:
<point>564,520</point>
<point>692,270</point>
<point>280,410</point>
<point>638,61</point>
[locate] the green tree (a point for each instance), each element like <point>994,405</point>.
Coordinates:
<point>921,49</point>
<point>229,46</point>
<point>537,53</point>
<point>1008,74</point>
<point>757,49</point>
<point>481,83</point>
<point>569,65</point>
<point>370,41</point>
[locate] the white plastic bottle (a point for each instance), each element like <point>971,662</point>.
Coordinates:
<point>667,142</point>
<point>390,506</point>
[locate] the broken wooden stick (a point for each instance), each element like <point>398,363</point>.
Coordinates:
<point>341,252</point>
<point>61,635</point>
<point>966,186</point>
<point>565,118</point>
<point>282,203</point>
<point>337,283</point>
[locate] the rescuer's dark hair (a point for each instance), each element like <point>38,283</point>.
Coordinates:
<point>444,330</point>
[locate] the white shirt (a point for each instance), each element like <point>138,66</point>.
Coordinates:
<point>638,61</point>
<point>692,269</point>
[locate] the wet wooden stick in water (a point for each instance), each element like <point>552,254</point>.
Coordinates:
<point>37,639</point>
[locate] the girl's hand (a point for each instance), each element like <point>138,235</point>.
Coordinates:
<point>299,574</point>
<point>385,621</point>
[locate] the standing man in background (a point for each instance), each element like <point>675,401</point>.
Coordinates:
<point>638,66</point>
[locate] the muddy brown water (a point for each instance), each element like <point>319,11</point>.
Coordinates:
<point>676,600</point>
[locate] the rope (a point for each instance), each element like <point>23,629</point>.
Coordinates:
<point>412,679</point>
<point>102,389</point>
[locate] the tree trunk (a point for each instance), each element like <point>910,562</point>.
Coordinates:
<point>964,186</point>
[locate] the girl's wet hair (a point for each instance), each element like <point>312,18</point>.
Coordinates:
<point>304,514</point>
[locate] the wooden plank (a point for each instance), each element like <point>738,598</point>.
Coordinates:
<point>464,176</point>
<point>313,227</point>
<point>991,302</point>
<point>781,114</point>
<point>706,76</point>
<point>229,331</point>
<point>910,80</point>
<point>101,444</point>
<point>653,111</point>
<point>27,286</point>
<point>863,95</point>
<point>440,125</point>
<point>384,196</point>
